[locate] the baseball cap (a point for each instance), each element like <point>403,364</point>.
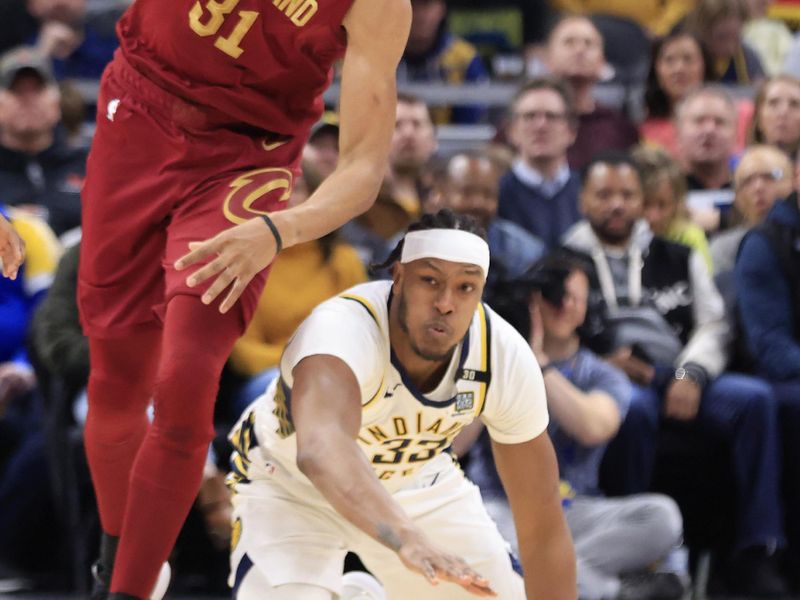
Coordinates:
<point>21,59</point>
<point>329,121</point>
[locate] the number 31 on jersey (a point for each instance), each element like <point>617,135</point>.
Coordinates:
<point>207,19</point>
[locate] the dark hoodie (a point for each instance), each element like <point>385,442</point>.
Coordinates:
<point>768,307</point>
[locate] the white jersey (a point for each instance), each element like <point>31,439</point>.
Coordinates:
<point>492,375</point>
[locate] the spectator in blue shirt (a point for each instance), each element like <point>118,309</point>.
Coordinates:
<point>587,400</point>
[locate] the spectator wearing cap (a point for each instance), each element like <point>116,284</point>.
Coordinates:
<point>575,53</point>
<point>435,55</point>
<point>37,167</point>
<point>540,192</point>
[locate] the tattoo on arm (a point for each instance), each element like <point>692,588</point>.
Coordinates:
<point>389,537</point>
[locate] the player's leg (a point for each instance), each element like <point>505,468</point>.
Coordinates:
<point>452,515</point>
<point>284,544</point>
<point>120,280</point>
<point>120,388</point>
<point>168,470</point>
<point>197,341</point>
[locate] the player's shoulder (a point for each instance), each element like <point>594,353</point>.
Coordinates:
<point>362,302</point>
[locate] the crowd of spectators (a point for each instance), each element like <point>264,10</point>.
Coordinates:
<point>646,243</point>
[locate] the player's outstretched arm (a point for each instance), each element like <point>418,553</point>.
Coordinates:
<point>12,249</point>
<point>529,473</point>
<point>326,411</point>
<point>377,31</point>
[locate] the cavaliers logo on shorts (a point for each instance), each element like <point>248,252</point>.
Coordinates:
<point>256,193</point>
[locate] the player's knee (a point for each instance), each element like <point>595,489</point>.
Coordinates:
<point>188,439</point>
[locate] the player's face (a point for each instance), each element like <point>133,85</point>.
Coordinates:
<point>612,201</point>
<point>436,301</point>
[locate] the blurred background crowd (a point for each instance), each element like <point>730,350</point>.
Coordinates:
<point>634,165</point>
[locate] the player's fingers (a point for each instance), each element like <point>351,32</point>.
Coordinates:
<point>224,279</point>
<point>238,287</point>
<point>480,590</point>
<point>199,251</point>
<point>429,570</point>
<point>216,266</point>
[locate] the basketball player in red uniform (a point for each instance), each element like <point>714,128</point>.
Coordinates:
<point>202,117</point>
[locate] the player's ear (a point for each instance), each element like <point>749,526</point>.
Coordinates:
<point>397,274</point>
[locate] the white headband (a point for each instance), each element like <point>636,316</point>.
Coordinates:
<point>446,244</point>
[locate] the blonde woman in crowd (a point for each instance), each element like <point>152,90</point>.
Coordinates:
<point>764,175</point>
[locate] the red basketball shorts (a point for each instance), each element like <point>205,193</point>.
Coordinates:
<point>160,175</point>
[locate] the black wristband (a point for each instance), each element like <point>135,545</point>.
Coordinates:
<point>276,234</point>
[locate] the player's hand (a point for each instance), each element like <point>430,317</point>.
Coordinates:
<point>238,254</point>
<point>682,400</point>
<point>12,249</point>
<point>421,557</point>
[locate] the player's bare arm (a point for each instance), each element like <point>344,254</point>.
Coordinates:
<point>12,249</point>
<point>529,473</point>
<point>377,31</point>
<point>326,410</point>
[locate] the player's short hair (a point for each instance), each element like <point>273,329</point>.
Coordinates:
<point>443,219</point>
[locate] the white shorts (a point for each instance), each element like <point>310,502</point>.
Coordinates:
<point>294,538</point>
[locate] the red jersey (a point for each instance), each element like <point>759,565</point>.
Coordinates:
<point>263,63</point>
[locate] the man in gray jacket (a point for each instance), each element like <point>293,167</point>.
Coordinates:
<point>665,327</point>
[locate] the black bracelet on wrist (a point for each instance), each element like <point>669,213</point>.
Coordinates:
<point>276,234</point>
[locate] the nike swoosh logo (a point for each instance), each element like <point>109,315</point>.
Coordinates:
<point>273,145</point>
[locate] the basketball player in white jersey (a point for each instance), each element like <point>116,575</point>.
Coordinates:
<point>347,449</point>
